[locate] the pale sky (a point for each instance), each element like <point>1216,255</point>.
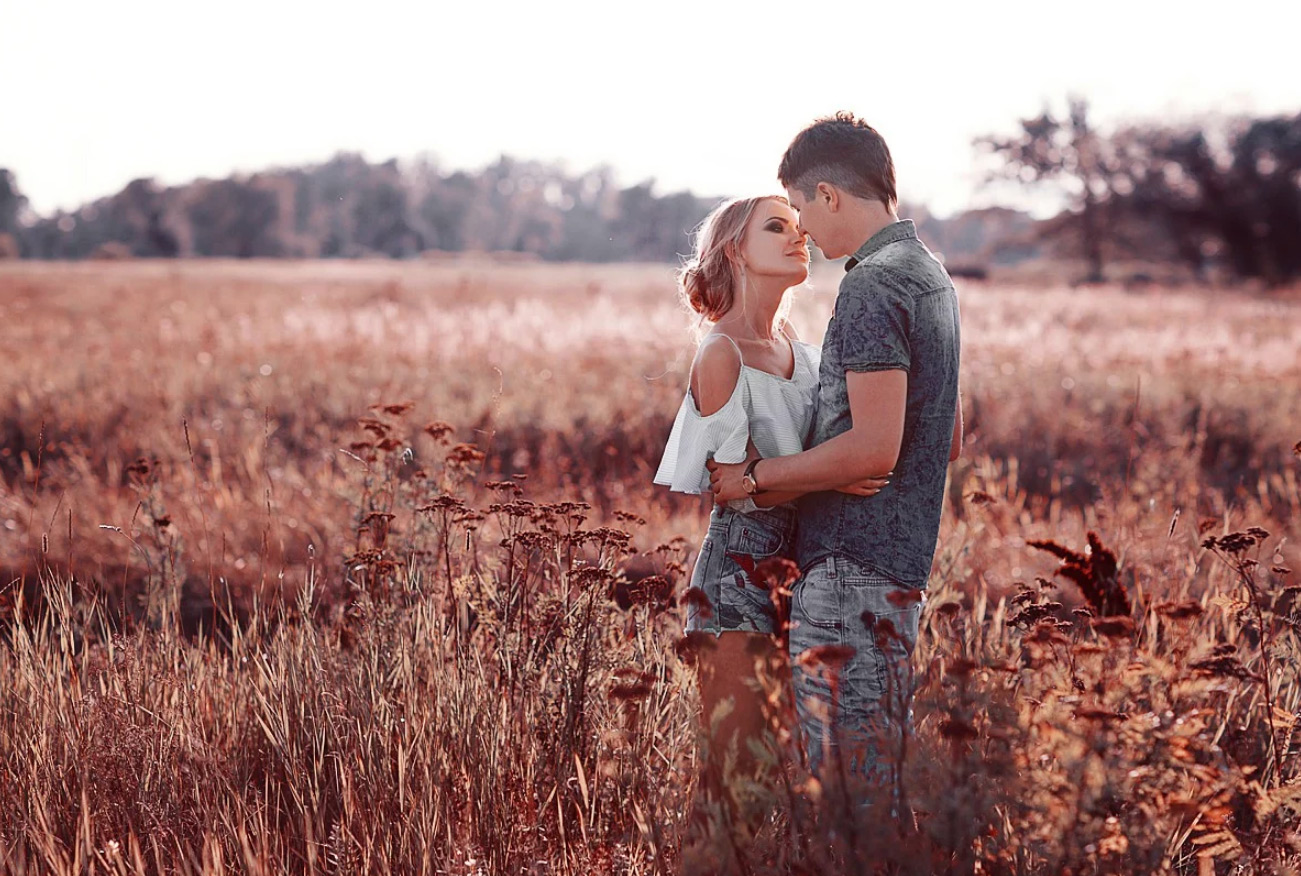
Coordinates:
<point>696,94</point>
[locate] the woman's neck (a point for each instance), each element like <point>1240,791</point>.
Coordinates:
<point>751,319</point>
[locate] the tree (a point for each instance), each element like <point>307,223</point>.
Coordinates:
<point>234,218</point>
<point>1068,154</point>
<point>1227,193</point>
<point>12,203</point>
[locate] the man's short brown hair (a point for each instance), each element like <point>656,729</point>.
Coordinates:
<point>846,152</point>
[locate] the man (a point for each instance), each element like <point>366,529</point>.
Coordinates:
<point>888,402</point>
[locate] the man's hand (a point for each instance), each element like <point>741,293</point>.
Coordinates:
<point>725,480</point>
<point>867,486</point>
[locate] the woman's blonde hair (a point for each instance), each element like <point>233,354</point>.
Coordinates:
<point>709,282</point>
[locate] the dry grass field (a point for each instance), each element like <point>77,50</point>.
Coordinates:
<point>340,568</point>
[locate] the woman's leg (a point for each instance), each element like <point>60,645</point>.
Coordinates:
<point>729,678</point>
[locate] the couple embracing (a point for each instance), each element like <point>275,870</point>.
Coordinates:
<point>834,457</point>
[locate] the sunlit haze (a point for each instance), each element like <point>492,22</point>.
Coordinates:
<point>693,95</point>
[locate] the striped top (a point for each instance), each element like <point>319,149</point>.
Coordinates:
<point>776,413</point>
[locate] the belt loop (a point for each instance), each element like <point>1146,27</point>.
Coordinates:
<point>831,567</point>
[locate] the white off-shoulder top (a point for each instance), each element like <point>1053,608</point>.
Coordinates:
<point>776,413</point>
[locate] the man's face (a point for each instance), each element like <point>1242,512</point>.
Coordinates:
<point>815,220</point>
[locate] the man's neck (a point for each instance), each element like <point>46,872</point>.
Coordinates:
<point>871,217</point>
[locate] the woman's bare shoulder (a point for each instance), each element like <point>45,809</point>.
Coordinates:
<point>715,373</point>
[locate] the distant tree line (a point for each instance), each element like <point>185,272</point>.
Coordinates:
<point>1223,194</point>
<point>347,207</point>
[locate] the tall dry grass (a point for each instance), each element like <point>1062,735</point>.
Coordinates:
<point>347,568</point>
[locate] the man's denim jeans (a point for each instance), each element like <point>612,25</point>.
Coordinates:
<point>852,716</point>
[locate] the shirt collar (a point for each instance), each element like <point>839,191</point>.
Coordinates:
<point>903,229</point>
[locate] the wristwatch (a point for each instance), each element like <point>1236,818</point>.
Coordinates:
<point>748,482</point>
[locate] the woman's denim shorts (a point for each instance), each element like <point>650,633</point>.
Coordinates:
<point>734,543</point>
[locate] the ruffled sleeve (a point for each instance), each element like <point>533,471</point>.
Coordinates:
<point>723,435</point>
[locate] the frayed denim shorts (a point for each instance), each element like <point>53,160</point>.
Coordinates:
<point>728,600</point>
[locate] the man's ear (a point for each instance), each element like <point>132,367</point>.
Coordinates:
<point>829,195</point>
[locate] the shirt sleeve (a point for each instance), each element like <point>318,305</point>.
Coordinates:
<point>722,436</point>
<point>873,317</point>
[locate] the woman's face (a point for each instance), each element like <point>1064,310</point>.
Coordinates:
<point>774,246</point>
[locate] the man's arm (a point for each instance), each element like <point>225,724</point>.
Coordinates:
<point>877,402</point>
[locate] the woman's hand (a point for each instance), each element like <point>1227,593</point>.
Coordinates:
<point>866,487</point>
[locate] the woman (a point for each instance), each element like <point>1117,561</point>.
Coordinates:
<point>752,392</point>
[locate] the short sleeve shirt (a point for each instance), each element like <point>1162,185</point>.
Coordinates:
<point>896,310</point>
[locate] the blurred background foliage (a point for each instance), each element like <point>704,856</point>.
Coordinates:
<point>1216,199</point>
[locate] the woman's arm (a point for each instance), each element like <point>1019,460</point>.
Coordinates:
<point>714,375</point>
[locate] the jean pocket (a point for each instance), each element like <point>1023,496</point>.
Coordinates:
<point>754,538</point>
<point>881,618</point>
<point>702,607</point>
<point>816,601</point>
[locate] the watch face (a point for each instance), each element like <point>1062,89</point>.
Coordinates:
<point>747,483</point>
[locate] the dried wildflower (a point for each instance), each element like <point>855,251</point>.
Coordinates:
<point>697,598</point>
<point>1032,614</point>
<point>1025,594</point>
<point>958,730</point>
<point>144,469</point>
<point>520,509</point>
<point>948,609</point>
<point>591,576</point>
<point>378,427</point>
<point>1114,627</point>
<point>1047,632</point>
<point>830,657</point>
<point>438,430</point>
<point>883,627</point>
<point>1236,543</point>
<point>636,687</point>
<point>960,667</point>
<point>465,455</point>
<point>693,644</point>
<point>1088,649</point>
<point>653,591</point>
<point>443,503</point>
<point>394,410</point>
<point>1188,608</point>
<point>904,597</point>
<point>1224,665</point>
<point>776,574</point>
<point>1095,572</point>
